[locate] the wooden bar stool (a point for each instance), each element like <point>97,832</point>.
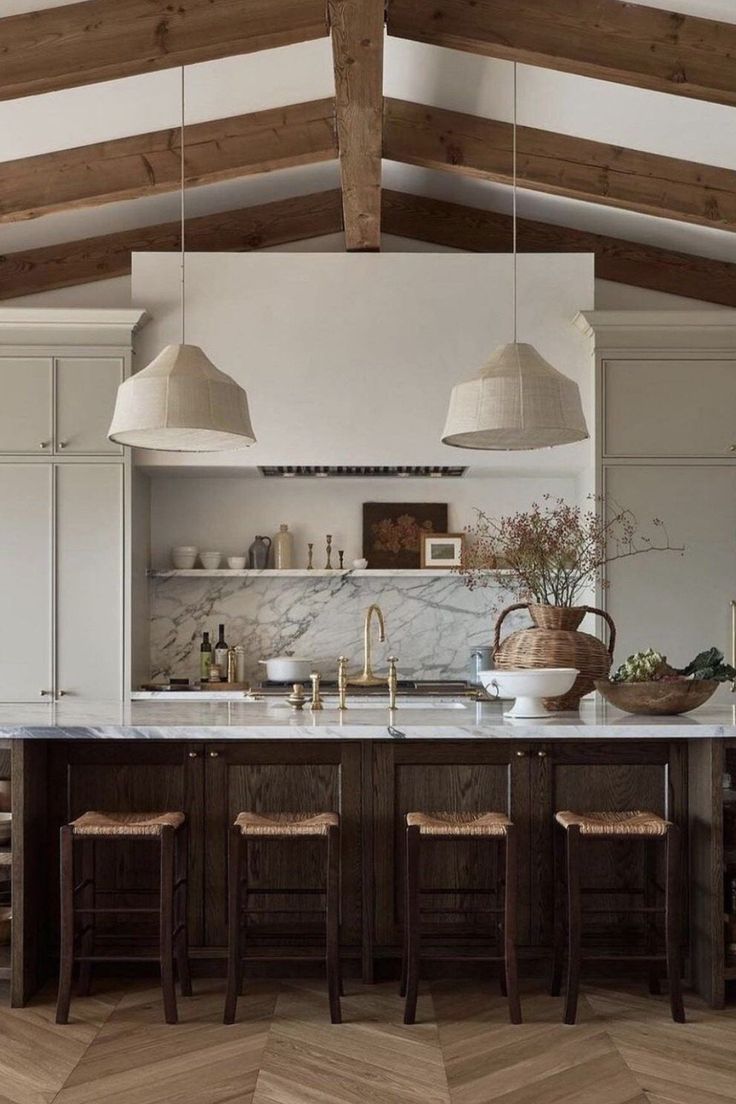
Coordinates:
<point>498,829</point>
<point>571,830</point>
<point>280,826</point>
<point>84,836</point>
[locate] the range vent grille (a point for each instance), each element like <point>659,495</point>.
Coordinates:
<point>362,471</point>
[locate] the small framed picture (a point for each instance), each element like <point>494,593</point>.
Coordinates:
<point>442,549</point>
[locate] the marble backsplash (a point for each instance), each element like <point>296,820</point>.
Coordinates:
<point>432,624</point>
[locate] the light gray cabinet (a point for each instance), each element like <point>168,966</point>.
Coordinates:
<point>26,408</point>
<point>58,406</point>
<point>61,599</point>
<point>89,581</point>
<point>669,406</point>
<point>85,396</point>
<point>26,592</point>
<point>678,603</point>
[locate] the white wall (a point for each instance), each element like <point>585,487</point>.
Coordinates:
<point>225,513</point>
<point>350,358</point>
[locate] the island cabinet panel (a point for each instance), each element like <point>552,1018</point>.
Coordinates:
<point>283,776</point>
<point>445,777</point>
<point>130,776</point>
<point>589,776</point>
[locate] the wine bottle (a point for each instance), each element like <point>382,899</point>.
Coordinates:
<point>221,650</point>
<point>205,658</point>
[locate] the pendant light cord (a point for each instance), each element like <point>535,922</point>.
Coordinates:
<point>182,211</point>
<point>513,206</point>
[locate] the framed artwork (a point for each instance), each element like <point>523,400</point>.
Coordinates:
<point>393,531</point>
<point>442,550</point>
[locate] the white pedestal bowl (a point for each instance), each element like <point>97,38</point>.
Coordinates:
<point>529,687</point>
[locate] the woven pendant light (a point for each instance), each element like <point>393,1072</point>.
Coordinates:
<point>519,401</point>
<point>180,402</point>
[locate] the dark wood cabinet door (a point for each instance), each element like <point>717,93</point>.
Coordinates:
<point>283,776</point>
<point>586,776</point>
<point>434,776</point>
<point>130,776</point>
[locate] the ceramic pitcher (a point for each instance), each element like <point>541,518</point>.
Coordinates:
<point>258,552</point>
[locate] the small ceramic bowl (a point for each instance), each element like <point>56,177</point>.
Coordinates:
<point>6,820</point>
<point>360,565</point>
<point>184,557</point>
<point>211,560</point>
<point>236,563</point>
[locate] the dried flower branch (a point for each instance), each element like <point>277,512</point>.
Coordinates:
<point>552,553</point>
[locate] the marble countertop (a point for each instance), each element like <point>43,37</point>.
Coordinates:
<point>452,719</point>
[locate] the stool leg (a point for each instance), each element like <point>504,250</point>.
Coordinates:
<point>558,913</point>
<point>509,926</point>
<point>501,882</point>
<point>405,933</point>
<point>66,954</point>
<point>88,900</point>
<point>181,894</point>
<point>234,921</point>
<point>413,933</point>
<point>673,905</point>
<point>333,923</point>
<point>650,901</point>
<point>574,933</point>
<point>166,925</point>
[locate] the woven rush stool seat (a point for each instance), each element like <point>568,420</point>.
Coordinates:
<point>250,829</point>
<point>286,824</point>
<point>125,824</point>
<point>635,823</point>
<point>495,830</point>
<point>459,824</point>
<point>84,843</point>
<point>573,833</point>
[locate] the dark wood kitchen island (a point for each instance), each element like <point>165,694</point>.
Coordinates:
<point>213,760</point>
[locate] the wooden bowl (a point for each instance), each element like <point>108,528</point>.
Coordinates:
<point>662,699</point>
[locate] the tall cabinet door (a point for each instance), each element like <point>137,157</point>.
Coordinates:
<point>677,603</point>
<point>25,582</point>
<point>89,580</point>
<point>26,422</point>
<point>85,396</point>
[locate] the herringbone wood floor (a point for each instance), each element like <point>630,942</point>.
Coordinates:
<point>283,1050</point>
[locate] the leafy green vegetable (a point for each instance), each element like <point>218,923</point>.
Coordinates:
<point>651,666</point>
<point>709,665</point>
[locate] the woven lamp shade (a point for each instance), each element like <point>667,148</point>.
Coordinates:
<point>182,403</point>
<point>519,402</point>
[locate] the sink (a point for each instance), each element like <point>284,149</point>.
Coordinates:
<point>403,703</point>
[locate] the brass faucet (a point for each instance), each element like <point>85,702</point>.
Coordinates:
<point>368,678</point>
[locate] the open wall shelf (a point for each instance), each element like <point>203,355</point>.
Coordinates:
<point>302,573</point>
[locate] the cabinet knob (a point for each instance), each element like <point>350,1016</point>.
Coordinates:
<point>542,754</point>
<point>732,448</point>
<point>61,693</point>
<point>521,754</point>
<point>214,755</point>
<point>43,444</point>
<point>45,693</point>
<point>63,444</point>
<point>193,754</point>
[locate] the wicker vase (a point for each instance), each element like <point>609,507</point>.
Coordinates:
<point>554,641</point>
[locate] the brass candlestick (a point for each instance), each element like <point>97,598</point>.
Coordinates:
<point>310,551</point>
<point>341,554</point>
<point>328,565</point>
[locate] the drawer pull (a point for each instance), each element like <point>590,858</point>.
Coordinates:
<point>193,754</point>
<point>542,754</point>
<point>214,755</point>
<point>521,754</point>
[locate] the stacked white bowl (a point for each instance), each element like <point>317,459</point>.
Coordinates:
<point>184,556</point>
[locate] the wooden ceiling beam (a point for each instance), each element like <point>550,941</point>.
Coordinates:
<point>609,39</point>
<point>625,262</point>
<point>109,255</point>
<point>357,28</point>
<point>147,164</point>
<point>560,164</point>
<point>100,40</point>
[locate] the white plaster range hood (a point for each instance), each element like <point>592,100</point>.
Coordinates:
<point>348,359</point>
